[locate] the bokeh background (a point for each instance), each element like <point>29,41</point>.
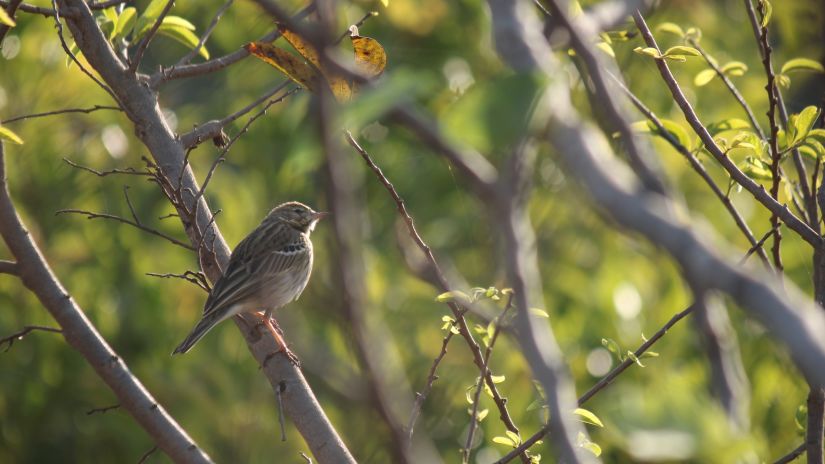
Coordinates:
<point>598,282</point>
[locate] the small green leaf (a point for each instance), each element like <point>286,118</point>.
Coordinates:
<point>454,295</point>
<point>734,68</point>
<point>649,354</point>
<point>588,417</point>
<point>611,345</point>
<point>703,77</point>
<point>802,65</point>
<point>125,23</point>
<point>671,28</point>
<point>681,50</point>
<point>727,125</point>
<point>801,417</point>
<point>606,48</point>
<point>184,36</point>
<point>535,404</point>
<point>583,442</point>
<point>783,80</point>
<point>649,51</point>
<point>504,441</point>
<point>6,19</point>
<point>497,378</point>
<point>809,151</point>
<point>539,312</point>
<point>803,123</point>
<point>767,12</point>
<point>482,414</point>
<point>178,21</point>
<point>693,33</point>
<point>8,134</point>
<point>756,169</point>
<point>819,134</point>
<point>514,437</point>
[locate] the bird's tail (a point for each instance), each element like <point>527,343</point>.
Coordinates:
<point>204,326</point>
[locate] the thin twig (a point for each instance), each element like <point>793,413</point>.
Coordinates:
<point>208,32</point>
<point>91,215</point>
<point>147,454</point>
<point>431,378</point>
<point>196,278</point>
<point>128,171</point>
<point>52,113</point>
<point>458,312</point>
<point>476,397</point>
<point>758,245</point>
<point>216,64</point>
<point>23,332</point>
<point>795,453</point>
<point>102,410</point>
<point>68,51</point>
<point>144,43</point>
<point>11,9</point>
<point>731,87</point>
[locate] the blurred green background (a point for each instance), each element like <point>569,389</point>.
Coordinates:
<point>598,283</point>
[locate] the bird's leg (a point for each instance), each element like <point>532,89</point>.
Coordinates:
<point>278,335</point>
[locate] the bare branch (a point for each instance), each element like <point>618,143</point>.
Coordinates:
<point>128,171</point>
<point>196,278</point>
<point>69,110</point>
<point>91,215</point>
<point>147,39</point>
<point>213,128</point>
<point>421,396</point>
<point>10,339</point>
<point>38,277</point>
<point>25,7</point>
<point>102,410</point>
<point>790,457</point>
<point>147,454</point>
<point>216,64</point>
<point>758,192</point>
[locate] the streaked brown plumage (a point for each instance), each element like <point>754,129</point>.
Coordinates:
<point>267,270</point>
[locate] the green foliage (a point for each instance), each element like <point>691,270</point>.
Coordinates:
<point>441,59</point>
<point>9,135</point>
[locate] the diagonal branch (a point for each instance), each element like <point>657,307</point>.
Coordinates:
<point>147,39</point>
<point>758,191</point>
<point>38,277</point>
<point>69,110</point>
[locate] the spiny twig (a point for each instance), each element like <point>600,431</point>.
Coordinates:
<point>91,215</point>
<point>23,332</point>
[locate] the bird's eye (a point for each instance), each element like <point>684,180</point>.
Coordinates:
<point>297,210</point>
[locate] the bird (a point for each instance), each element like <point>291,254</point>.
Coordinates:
<point>268,269</point>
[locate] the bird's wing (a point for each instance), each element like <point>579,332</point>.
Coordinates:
<point>259,258</point>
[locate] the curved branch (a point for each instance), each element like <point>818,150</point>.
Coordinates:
<point>38,277</point>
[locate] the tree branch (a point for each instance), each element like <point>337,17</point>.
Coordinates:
<point>758,191</point>
<point>38,277</point>
<point>147,39</point>
<point>52,113</point>
<point>10,339</point>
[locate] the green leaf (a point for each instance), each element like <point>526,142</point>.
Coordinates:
<point>801,65</point>
<point>110,14</point>
<point>783,80</point>
<point>535,404</point>
<point>756,169</point>
<point>649,51</point>
<point>178,21</point>
<point>588,417</point>
<point>514,437</point>
<point>148,18</point>
<point>727,125</point>
<point>539,312</point>
<point>497,378</point>
<point>482,414</point>
<point>681,50</point>
<point>649,354</point>
<point>818,133</point>
<point>504,441</point>
<point>606,48</point>
<point>611,345</point>
<point>811,151</point>
<point>767,12</point>
<point>802,123</point>
<point>125,23</point>
<point>583,442</point>
<point>454,295</point>
<point>734,68</point>
<point>8,134</point>
<point>6,19</point>
<point>184,36</point>
<point>671,28</point>
<point>693,33</point>
<point>703,77</point>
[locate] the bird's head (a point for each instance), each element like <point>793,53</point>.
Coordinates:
<point>297,215</point>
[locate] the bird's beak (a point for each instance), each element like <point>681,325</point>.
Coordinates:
<point>319,215</point>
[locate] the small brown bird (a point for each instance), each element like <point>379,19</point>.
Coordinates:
<point>267,270</point>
